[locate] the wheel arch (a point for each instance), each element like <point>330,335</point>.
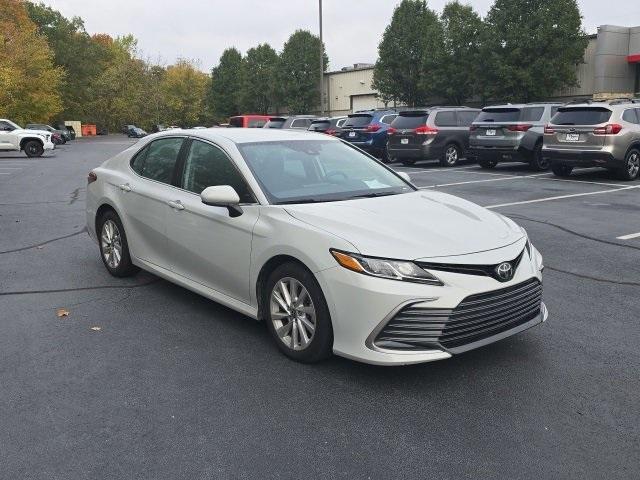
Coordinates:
<point>104,207</point>
<point>267,268</point>
<point>28,139</point>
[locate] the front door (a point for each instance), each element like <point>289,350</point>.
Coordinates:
<point>207,245</point>
<point>7,139</point>
<point>145,199</point>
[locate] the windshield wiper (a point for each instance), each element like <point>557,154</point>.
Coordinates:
<point>304,200</point>
<point>374,194</point>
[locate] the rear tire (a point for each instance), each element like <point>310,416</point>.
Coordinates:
<point>33,148</point>
<point>303,330</point>
<point>451,155</point>
<point>560,170</point>
<point>408,161</point>
<point>384,156</point>
<point>487,164</point>
<point>114,249</point>
<point>538,163</point>
<point>631,167</point>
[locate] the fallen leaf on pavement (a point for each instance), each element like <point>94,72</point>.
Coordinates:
<point>62,312</point>
<point>97,329</point>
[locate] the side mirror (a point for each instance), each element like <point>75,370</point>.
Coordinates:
<point>222,196</point>
<point>405,176</point>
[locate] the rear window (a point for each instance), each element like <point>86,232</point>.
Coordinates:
<point>235,122</point>
<point>388,118</point>
<point>275,123</point>
<point>465,119</point>
<point>581,116</point>
<point>631,115</point>
<point>301,123</point>
<point>446,119</point>
<point>257,123</point>
<point>499,115</point>
<point>531,114</point>
<point>358,121</point>
<point>322,125</point>
<point>407,120</point>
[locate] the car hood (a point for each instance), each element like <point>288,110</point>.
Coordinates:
<point>24,131</point>
<point>411,226</point>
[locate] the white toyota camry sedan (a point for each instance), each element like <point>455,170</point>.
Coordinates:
<point>332,249</point>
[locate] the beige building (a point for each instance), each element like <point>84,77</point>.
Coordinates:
<point>611,68</point>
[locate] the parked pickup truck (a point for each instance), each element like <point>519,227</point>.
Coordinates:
<point>15,138</point>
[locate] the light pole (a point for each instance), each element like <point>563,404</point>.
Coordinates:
<point>321,58</point>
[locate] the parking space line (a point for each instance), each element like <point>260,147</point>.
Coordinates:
<point>583,181</point>
<point>560,197</point>
<point>629,237</point>
<point>510,177</point>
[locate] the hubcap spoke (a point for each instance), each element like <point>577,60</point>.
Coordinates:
<point>292,313</point>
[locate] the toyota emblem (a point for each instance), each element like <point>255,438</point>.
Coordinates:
<point>504,271</point>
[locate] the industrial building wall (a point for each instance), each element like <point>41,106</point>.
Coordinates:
<point>342,86</point>
<point>585,73</point>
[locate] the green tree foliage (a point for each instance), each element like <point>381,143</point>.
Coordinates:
<point>300,72</point>
<point>409,50</point>
<point>74,51</point>
<point>259,93</point>
<point>183,89</point>
<point>531,48</point>
<point>226,85</point>
<point>29,82</point>
<point>459,67</point>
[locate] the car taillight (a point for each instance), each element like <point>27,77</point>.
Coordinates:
<point>92,177</point>
<point>521,127</point>
<point>425,130</point>
<point>372,127</point>
<point>473,128</point>
<point>549,130</point>
<point>391,131</point>
<point>609,129</point>
<point>331,131</point>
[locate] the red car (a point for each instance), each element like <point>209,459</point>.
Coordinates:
<point>249,121</point>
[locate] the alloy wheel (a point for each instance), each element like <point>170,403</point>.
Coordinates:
<point>292,313</point>
<point>633,165</point>
<point>111,243</point>
<point>451,155</point>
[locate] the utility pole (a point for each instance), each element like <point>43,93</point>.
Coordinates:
<point>321,59</point>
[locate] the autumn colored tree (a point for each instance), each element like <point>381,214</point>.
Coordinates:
<point>184,88</point>
<point>29,81</point>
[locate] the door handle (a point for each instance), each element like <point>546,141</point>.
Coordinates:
<point>125,187</point>
<point>176,204</point>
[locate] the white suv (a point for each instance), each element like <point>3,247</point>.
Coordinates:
<point>14,138</point>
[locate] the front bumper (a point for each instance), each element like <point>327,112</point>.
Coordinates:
<point>48,145</point>
<point>362,305</point>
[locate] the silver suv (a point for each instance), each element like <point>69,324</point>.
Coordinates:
<point>595,134</point>
<point>511,133</point>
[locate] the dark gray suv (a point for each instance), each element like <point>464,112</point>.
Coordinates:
<point>595,134</point>
<point>431,133</point>
<point>511,133</point>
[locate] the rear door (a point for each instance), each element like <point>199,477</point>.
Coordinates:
<point>405,136</point>
<point>492,127</point>
<point>354,128</point>
<point>575,128</point>
<point>144,198</point>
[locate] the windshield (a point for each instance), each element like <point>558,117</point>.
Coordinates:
<point>307,171</point>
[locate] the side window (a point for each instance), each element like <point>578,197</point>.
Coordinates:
<point>465,119</point>
<point>160,159</point>
<point>631,115</point>
<point>340,122</point>
<point>446,119</point>
<point>531,114</point>
<point>554,110</point>
<point>208,166</point>
<point>5,126</point>
<point>137,162</point>
<point>299,123</point>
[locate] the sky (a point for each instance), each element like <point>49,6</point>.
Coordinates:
<point>201,29</point>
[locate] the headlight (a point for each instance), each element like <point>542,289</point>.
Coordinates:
<point>385,268</point>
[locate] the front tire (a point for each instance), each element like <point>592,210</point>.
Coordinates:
<point>631,167</point>
<point>560,170</point>
<point>33,148</point>
<point>114,249</point>
<point>297,315</point>
<point>451,155</point>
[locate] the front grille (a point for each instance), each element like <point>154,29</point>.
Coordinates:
<point>417,327</point>
<point>481,270</point>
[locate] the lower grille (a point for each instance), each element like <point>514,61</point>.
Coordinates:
<point>477,317</point>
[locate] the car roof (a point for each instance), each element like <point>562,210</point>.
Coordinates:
<point>244,135</point>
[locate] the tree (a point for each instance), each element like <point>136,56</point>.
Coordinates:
<point>409,50</point>
<point>531,48</point>
<point>29,80</point>
<point>226,83</point>
<point>455,77</point>
<point>259,93</point>
<point>184,88</point>
<point>300,72</point>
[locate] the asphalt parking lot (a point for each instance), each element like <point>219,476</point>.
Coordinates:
<point>144,379</point>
